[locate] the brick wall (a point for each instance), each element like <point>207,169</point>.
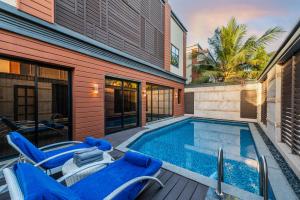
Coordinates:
<point>88,108</point>
<point>167,36</point>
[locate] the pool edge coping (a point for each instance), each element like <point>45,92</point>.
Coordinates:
<point>277,179</point>
<point>226,188</point>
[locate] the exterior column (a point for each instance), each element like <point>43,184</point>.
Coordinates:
<point>167,36</point>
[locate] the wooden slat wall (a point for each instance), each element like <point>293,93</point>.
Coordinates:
<point>264,103</point>
<point>290,109</point>
<point>132,26</point>
<point>286,108</point>
<point>43,9</point>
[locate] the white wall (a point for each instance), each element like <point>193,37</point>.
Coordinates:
<point>189,66</point>
<point>220,102</point>
<point>177,41</point>
<point>10,2</point>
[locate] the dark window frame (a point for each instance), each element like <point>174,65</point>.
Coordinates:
<point>179,96</point>
<point>174,56</point>
<point>34,76</point>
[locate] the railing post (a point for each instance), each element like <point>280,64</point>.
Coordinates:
<point>220,173</point>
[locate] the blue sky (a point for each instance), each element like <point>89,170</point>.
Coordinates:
<point>201,17</point>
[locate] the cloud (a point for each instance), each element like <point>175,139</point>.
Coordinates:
<point>203,17</point>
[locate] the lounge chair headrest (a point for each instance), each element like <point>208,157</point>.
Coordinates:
<point>35,184</point>
<point>137,159</point>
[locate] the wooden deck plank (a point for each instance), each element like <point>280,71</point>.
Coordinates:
<point>177,189</point>
<point>188,191</point>
<point>200,192</point>
<point>161,194</point>
<point>154,188</point>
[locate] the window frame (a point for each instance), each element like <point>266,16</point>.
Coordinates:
<point>174,55</point>
<point>179,94</point>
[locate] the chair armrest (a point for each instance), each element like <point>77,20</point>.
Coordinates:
<point>59,144</point>
<point>56,156</point>
<point>8,165</point>
<point>131,182</point>
<point>81,169</point>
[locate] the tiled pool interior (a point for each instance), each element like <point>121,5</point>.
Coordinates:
<point>193,144</point>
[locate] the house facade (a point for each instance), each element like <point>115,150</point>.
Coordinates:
<point>195,55</point>
<point>72,68</point>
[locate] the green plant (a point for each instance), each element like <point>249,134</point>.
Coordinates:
<point>236,56</point>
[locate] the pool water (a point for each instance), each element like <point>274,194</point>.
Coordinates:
<point>193,144</point>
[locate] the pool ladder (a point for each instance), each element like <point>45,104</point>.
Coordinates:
<point>263,175</point>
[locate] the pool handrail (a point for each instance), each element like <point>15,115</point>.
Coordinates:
<point>263,177</point>
<point>220,172</point>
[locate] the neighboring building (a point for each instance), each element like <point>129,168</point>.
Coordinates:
<point>279,98</point>
<point>195,55</point>
<point>88,67</point>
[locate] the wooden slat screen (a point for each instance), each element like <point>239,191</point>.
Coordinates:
<point>286,104</point>
<point>290,107</point>
<point>264,103</point>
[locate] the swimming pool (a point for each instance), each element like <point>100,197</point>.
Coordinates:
<point>193,144</point>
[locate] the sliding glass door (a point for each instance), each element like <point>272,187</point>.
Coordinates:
<point>159,102</point>
<point>35,101</point>
<point>121,105</point>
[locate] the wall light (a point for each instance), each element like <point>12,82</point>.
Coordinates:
<point>95,88</point>
<point>144,92</point>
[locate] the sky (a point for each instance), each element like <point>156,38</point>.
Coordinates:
<point>202,17</point>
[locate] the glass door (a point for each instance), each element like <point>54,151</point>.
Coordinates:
<point>35,100</point>
<point>159,102</point>
<point>121,105</point>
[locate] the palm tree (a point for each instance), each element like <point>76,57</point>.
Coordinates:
<point>238,57</point>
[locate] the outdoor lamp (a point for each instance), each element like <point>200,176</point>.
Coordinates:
<point>96,89</point>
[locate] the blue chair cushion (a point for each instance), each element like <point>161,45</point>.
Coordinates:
<point>36,185</point>
<point>27,147</point>
<point>37,155</point>
<point>105,181</point>
<point>102,144</point>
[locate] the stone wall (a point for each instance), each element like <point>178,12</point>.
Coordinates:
<point>219,101</point>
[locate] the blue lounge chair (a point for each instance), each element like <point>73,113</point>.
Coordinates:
<point>51,159</point>
<point>124,179</point>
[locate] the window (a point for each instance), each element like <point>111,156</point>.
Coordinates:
<point>174,56</point>
<point>159,102</point>
<point>179,96</point>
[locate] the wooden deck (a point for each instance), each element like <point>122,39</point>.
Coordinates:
<point>176,186</point>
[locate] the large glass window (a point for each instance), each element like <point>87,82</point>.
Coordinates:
<point>174,56</point>
<point>159,102</point>
<point>35,101</point>
<point>121,105</point>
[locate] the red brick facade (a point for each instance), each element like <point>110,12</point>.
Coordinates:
<point>43,9</point>
<point>88,108</point>
<point>167,36</point>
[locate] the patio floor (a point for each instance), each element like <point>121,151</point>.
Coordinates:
<point>176,186</point>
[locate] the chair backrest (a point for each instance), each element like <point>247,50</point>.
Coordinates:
<point>25,147</point>
<point>32,183</point>
<point>14,188</point>
<point>12,125</point>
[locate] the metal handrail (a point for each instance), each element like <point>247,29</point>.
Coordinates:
<point>220,172</point>
<point>263,177</point>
